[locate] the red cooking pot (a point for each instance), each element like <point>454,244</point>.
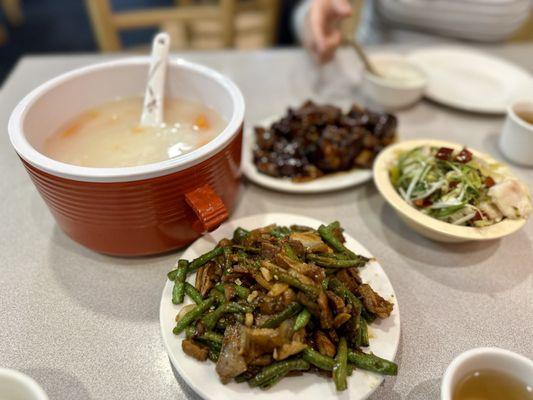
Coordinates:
<point>141,210</point>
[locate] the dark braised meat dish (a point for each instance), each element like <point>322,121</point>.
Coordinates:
<point>276,301</point>
<point>314,140</point>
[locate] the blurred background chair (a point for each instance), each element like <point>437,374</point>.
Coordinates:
<point>192,24</point>
<point>12,11</point>
<point>525,33</point>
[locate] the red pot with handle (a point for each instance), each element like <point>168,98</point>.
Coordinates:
<point>131,211</point>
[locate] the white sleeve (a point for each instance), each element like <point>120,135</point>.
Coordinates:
<point>481,20</point>
<point>298,18</point>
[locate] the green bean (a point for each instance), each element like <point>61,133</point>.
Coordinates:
<point>240,291</point>
<point>368,316</point>
<point>328,262</point>
<point>301,320</point>
<point>279,232</point>
<point>227,260</point>
<point>190,316</point>
<point>325,284</point>
<point>178,292</point>
<point>350,369</point>
<point>274,380</point>
<point>290,311</point>
<point>172,275</point>
<point>301,228</point>
<point>240,234</point>
<point>247,249</point>
<point>340,290</point>
<point>335,256</point>
<point>277,368</point>
<point>340,369</point>
<point>204,258</point>
<point>219,297</point>
<point>213,351</point>
<point>212,337</point>
<point>289,252</point>
<point>245,376</point>
<point>373,363</point>
<point>363,332</point>
<point>290,280</point>
<point>318,360</point>
<point>326,233</point>
<point>192,332</point>
<point>210,320</point>
<point>194,294</point>
<point>338,287</point>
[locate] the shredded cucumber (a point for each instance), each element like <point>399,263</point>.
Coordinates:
<point>442,187</point>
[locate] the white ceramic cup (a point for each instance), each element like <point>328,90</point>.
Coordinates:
<point>15,385</point>
<point>492,358</point>
<point>516,139</point>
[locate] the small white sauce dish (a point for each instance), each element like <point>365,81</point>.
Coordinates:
<point>15,385</point>
<point>492,358</point>
<point>400,83</point>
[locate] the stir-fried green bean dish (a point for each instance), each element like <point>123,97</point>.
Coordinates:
<point>456,187</point>
<point>277,301</point>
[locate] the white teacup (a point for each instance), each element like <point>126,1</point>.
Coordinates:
<point>492,358</point>
<point>15,385</point>
<point>516,139</point>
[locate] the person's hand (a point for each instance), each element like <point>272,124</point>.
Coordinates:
<point>322,31</point>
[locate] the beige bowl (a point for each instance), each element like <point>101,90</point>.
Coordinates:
<point>424,224</point>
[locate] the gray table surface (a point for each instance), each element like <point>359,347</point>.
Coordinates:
<point>86,326</point>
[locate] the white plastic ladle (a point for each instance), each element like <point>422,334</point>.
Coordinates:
<point>154,95</point>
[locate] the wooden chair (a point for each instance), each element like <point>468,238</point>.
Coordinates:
<point>3,35</point>
<point>191,24</point>
<point>13,11</point>
<point>525,33</point>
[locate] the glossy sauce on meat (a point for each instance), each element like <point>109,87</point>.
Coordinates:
<point>314,140</point>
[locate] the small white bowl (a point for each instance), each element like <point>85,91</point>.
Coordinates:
<point>390,90</point>
<point>15,385</point>
<point>425,225</point>
<point>493,358</point>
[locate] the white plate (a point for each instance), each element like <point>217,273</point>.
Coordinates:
<point>471,80</point>
<point>328,183</point>
<point>202,377</point>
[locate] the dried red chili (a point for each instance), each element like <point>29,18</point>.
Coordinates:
<point>423,203</point>
<point>489,182</point>
<point>444,153</point>
<point>478,216</point>
<point>464,156</point>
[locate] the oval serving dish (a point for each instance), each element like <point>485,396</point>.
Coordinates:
<point>138,210</point>
<point>424,224</point>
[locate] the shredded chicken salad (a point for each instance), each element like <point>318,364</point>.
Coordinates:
<point>456,187</point>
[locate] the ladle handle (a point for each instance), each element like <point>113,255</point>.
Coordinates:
<point>152,114</point>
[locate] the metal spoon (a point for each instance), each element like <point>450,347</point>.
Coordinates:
<point>362,55</point>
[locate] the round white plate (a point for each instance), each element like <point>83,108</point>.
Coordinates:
<point>202,377</point>
<point>328,183</point>
<point>471,80</point>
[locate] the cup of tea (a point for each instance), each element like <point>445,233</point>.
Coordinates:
<point>488,373</point>
<point>516,139</point>
<point>15,385</point>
